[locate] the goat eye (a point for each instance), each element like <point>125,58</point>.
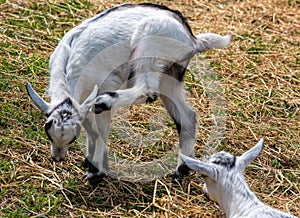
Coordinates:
<point>47,128</point>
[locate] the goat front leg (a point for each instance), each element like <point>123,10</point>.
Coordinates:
<point>98,128</point>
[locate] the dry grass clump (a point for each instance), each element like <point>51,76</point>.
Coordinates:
<point>251,90</point>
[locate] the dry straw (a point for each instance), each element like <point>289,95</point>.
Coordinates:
<point>259,75</point>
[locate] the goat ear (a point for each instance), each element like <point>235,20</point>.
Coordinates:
<point>37,99</point>
<point>199,166</point>
<point>246,158</point>
<point>84,107</point>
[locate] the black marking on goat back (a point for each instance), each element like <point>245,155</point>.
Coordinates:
<point>223,159</point>
<point>107,11</point>
<point>177,13</point>
<point>176,71</point>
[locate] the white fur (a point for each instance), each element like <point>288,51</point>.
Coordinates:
<point>226,185</point>
<point>102,51</point>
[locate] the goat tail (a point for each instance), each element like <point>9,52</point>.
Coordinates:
<point>208,41</point>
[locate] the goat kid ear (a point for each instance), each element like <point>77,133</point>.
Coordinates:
<point>37,99</point>
<point>199,166</point>
<point>246,158</point>
<point>89,101</point>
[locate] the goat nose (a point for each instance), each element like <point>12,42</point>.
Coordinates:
<point>57,159</point>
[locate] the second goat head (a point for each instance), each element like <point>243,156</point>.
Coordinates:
<point>225,183</point>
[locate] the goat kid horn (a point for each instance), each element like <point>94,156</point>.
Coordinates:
<point>37,99</point>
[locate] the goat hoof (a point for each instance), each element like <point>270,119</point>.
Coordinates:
<point>85,163</point>
<point>91,167</point>
<point>94,178</point>
<point>181,172</point>
<point>175,178</point>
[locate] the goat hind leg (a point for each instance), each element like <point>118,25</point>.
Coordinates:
<point>144,89</point>
<point>118,98</point>
<point>184,118</point>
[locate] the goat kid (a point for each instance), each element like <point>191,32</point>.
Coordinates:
<point>225,184</point>
<point>145,46</point>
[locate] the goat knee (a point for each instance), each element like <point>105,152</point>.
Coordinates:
<point>104,102</point>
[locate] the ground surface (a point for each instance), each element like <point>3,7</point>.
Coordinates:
<point>257,76</point>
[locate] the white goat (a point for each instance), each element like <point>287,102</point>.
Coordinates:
<point>145,46</point>
<point>225,184</point>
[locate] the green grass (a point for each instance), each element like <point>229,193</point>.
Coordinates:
<point>31,32</point>
<point>258,74</point>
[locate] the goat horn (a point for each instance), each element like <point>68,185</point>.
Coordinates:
<point>37,99</point>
